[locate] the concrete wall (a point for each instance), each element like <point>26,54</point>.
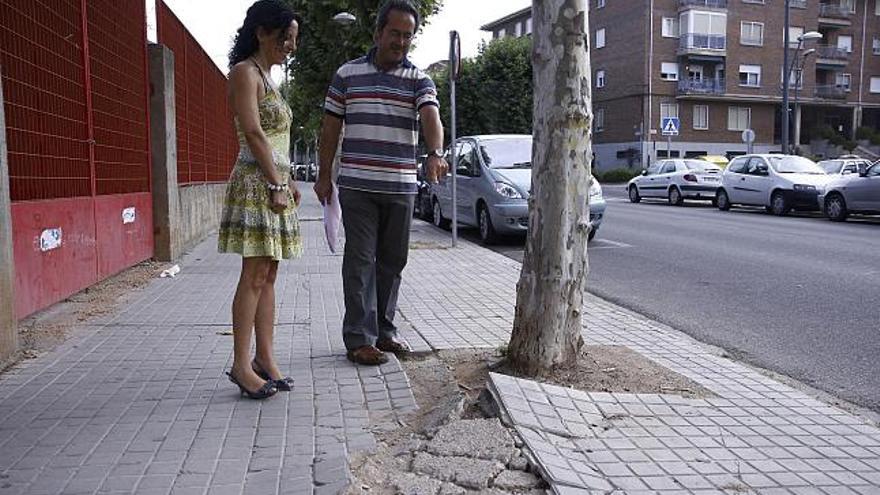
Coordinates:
<point>8,326</point>
<point>182,215</point>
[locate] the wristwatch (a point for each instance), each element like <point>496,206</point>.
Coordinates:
<point>437,152</point>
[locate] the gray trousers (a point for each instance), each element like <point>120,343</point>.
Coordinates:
<point>376,247</point>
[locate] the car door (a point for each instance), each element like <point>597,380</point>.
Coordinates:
<point>443,188</point>
<point>734,179</point>
<point>651,184</point>
<point>467,185</point>
<point>756,182</point>
<point>863,193</point>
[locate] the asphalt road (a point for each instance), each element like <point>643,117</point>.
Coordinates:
<point>798,295</point>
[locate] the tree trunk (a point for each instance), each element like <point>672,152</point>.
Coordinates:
<point>547,327</point>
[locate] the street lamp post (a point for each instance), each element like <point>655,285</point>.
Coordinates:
<point>798,82</point>
<point>787,67</point>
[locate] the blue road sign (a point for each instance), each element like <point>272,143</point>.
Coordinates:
<point>670,126</point>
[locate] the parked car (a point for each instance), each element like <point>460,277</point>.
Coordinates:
<point>305,171</point>
<point>676,180</point>
<point>422,208</point>
<point>847,164</point>
<point>719,160</point>
<point>494,179</point>
<point>852,193</point>
<point>780,183</point>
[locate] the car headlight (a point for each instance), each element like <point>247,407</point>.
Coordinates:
<point>804,188</point>
<point>595,190</point>
<point>507,190</point>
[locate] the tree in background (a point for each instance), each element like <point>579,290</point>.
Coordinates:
<point>550,294</point>
<point>494,90</point>
<point>325,45</point>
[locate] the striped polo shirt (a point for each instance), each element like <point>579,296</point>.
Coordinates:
<point>381,115</point>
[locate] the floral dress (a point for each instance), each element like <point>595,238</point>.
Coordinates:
<point>248,226</point>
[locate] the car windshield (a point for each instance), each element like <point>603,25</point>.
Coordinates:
<point>794,165</point>
<point>514,152</point>
<point>830,167</point>
<point>700,166</point>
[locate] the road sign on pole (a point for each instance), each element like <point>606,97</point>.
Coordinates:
<point>670,126</point>
<point>455,66</point>
<point>748,137</point>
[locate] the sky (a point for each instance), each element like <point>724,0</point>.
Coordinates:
<point>214,22</point>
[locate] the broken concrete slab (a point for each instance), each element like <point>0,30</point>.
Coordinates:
<point>464,471</point>
<point>516,480</point>
<point>484,439</point>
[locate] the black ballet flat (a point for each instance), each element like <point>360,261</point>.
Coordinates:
<point>267,390</point>
<point>283,384</point>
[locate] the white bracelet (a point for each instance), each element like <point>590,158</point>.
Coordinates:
<point>276,187</point>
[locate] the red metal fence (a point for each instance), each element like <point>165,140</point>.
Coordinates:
<point>206,139</point>
<point>75,81</point>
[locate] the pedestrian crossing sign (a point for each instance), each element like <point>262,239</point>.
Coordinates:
<point>669,126</point>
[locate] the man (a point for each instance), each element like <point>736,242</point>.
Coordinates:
<point>380,98</point>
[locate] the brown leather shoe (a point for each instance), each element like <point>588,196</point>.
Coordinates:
<point>367,355</point>
<point>393,346</point>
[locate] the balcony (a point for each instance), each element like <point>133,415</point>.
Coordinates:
<point>830,92</point>
<point>715,4</point>
<point>830,55</point>
<point>703,44</point>
<point>701,87</point>
<point>834,14</point>
<point>798,4</point>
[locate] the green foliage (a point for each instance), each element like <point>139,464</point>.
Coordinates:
<point>325,45</point>
<point>617,175</point>
<point>868,134</point>
<point>494,90</point>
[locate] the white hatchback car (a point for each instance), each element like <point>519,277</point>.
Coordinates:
<point>780,183</point>
<point>676,180</point>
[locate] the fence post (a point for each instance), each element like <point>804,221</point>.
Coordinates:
<point>8,326</point>
<point>163,137</point>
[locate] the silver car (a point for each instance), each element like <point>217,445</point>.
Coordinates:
<point>494,182</point>
<point>676,180</point>
<point>779,183</point>
<point>852,193</point>
<point>848,164</point>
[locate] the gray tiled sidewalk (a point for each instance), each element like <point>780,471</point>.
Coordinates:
<point>757,436</point>
<point>136,402</point>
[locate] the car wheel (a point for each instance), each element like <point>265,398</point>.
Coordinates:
<point>487,231</point>
<point>778,204</point>
<point>439,221</point>
<point>675,197</point>
<point>634,194</point>
<point>835,208</point>
<point>721,200</point>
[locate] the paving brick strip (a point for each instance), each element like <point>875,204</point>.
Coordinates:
<point>135,402</point>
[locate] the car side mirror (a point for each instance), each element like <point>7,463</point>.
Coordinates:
<point>863,170</point>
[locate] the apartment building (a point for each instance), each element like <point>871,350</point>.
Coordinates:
<point>717,65</point>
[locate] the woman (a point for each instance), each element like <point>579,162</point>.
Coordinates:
<point>259,214</point>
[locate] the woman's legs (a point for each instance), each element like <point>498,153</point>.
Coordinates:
<point>265,325</point>
<point>251,284</point>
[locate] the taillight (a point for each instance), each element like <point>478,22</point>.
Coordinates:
<point>690,177</point>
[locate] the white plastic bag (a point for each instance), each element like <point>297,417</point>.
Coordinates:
<point>332,219</point>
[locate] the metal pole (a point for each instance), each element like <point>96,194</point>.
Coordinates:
<point>453,60</point>
<point>785,78</point>
<point>668,146</point>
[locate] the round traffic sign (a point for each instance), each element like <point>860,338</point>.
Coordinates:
<point>748,136</point>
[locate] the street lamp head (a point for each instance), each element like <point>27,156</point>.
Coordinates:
<point>810,35</point>
<point>809,52</point>
<point>344,18</point>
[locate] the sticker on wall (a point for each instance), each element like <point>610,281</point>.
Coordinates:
<point>50,239</point>
<point>128,215</point>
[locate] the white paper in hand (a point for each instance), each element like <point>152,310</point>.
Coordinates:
<point>332,219</point>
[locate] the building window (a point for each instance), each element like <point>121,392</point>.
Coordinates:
<point>668,110</point>
<point>877,9</point>
<point>752,33</point>
<point>750,76</point>
<point>793,33</point>
<point>670,27</point>
<point>600,78</point>
<point>600,38</point>
<point>875,85</point>
<point>600,3</point>
<point>848,6</point>
<point>517,29</point>
<point>701,117</point>
<point>669,71</point>
<point>844,42</point>
<point>843,81</point>
<point>599,120</point>
<point>703,30</point>
<point>500,33</point>
<point>795,79</point>
<point>876,44</point>
<point>739,118</point>
<point>529,25</point>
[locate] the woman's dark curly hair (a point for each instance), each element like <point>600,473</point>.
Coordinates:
<point>271,15</point>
